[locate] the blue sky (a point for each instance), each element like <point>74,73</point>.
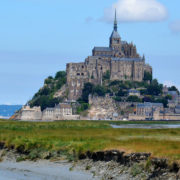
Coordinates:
<point>38,38</point>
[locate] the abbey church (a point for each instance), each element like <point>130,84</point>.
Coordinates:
<point>120,59</point>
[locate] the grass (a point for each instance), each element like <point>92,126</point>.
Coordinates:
<point>73,137</point>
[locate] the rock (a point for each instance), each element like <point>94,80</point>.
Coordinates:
<point>2,145</point>
<point>159,163</point>
<point>46,155</point>
<point>20,149</point>
<point>174,167</point>
<point>94,156</point>
<point>178,175</point>
<point>136,157</point>
<point>113,155</point>
<point>100,156</point>
<point>89,154</point>
<point>82,156</point>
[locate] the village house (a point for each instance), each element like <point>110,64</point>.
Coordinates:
<point>146,111</point>
<point>134,92</point>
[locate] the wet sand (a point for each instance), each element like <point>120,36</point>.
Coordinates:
<point>41,170</point>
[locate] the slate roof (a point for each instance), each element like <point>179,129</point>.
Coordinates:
<point>102,49</point>
<point>115,34</point>
<point>148,104</point>
<point>133,91</point>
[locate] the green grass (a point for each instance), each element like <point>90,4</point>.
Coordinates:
<point>73,137</point>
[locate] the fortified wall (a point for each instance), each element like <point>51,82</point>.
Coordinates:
<point>120,59</point>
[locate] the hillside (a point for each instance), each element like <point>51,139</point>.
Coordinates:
<point>53,91</point>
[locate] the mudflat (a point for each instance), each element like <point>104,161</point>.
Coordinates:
<point>41,170</point>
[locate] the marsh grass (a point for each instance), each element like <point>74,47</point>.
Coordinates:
<point>71,138</point>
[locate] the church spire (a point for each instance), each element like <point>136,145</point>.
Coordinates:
<point>115,22</point>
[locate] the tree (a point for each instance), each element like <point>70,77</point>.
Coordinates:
<point>44,102</point>
<point>164,101</point>
<point>147,76</point>
<point>154,88</point>
<point>107,75</point>
<point>99,90</point>
<point>134,99</point>
<point>148,98</point>
<point>88,89</point>
<point>173,88</point>
<point>117,98</point>
<point>122,93</point>
<point>60,74</point>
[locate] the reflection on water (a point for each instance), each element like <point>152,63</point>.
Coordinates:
<point>147,126</point>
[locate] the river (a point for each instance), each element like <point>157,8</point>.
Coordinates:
<point>147,126</point>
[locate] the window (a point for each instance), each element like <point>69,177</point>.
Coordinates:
<point>82,74</point>
<point>78,74</point>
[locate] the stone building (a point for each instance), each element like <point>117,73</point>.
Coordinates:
<point>62,111</point>
<point>147,111</point>
<point>28,113</point>
<point>120,59</point>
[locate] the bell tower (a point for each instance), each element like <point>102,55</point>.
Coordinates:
<point>115,39</point>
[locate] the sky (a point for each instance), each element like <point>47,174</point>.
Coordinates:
<point>38,38</point>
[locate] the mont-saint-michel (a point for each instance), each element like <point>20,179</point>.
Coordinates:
<point>99,86</point>
<point>114,83</point>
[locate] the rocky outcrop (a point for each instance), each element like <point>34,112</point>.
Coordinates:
<point>137,163</point>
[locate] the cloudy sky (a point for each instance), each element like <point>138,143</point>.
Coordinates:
<point>38,38</point>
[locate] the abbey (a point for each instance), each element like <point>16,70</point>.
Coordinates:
<point>120,59</point>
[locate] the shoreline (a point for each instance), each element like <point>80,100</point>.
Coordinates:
<point>100,165</point>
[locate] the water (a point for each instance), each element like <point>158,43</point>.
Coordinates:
<point>7,111</point>
<point>147,126</point>
<point>40,171</point>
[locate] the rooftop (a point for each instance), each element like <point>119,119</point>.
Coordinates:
<point>102,49</point>
<point>148,104</point>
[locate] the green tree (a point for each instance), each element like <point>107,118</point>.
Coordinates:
<point>44,102</point>
<point>154,88</point>
<point>107,75</point>
<point>134,99</point>
<point>99,90</point>
<point>60,74</point>
<point>147,76</point>
<point>173,88</point>
<point>122,93</point>
<point>88,89</point>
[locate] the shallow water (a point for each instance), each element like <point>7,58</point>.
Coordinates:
<point>42,170</point>
<point>147,126</point>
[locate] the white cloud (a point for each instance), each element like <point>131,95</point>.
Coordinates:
<point>175,26</point>
<point>136,10</point>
